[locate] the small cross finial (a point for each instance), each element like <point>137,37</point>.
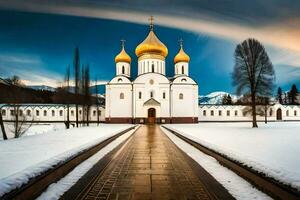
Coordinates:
<point>123,42</point>
<point>181,42</point>
<point>151,19</point>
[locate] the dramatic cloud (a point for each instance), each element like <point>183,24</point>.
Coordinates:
<point>276,25</point>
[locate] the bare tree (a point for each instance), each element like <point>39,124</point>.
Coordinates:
<point>2,125</point>
<point>76,65</point>
<point>253,72</point>
<point>67,100</point>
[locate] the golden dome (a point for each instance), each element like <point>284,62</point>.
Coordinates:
<point>123,56</point>
<point>151,45</point>
<point>181,56</point>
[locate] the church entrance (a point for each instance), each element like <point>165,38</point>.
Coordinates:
<point>279,114</point>
<point>151,115</point>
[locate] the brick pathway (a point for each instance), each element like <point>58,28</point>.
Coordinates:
<point>151,166</point>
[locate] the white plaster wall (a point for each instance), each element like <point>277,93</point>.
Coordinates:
<point>119,67</point>
<point>188,106</point>
<point>60,112</point>
<point>160,84</point>
<point>116,107</point>
<point>145,66</point>
<point>271,115</point>
<point>178,68</point>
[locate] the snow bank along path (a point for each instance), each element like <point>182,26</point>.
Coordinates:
<point>27,157</point>
<point>236,186</point>
<point>272,149</point>
<point>56,190</point>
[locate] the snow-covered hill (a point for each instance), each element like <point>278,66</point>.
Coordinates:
<point>215,98</point>
<point>42,87</point>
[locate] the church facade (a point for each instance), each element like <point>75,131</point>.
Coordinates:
<point>151,97</point>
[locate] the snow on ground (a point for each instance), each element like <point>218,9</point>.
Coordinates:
<point>33,129</point>
<point>27,157</point>
<point>236,186</point>
<point>272,148</point>
<point>56,190</point>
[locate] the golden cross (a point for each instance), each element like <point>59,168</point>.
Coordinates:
<point>123,42</point>
<point>151,19</point>
<point>180,42</point>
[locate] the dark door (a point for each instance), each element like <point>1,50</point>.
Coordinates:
<point>279,114</point>
<point>151,115</point>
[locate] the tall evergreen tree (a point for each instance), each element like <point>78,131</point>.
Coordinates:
<point>279,95</point>
<point>293,93</point>
<point>76,65</point>
<point>253,72</point>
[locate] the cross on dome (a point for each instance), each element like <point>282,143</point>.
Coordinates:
<point>180,42</point>
<point>151,20</point>
<point>123,43</point>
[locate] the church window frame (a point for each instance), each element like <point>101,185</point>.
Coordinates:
<point>180,96</point>
<point>28,113</point>
<point>235,113</point>
<point>140,95</point>
<point>228,112</point>
<point>164,95</point>
<point>182,69</point>
<point>122,95</point>
<point>37,113</point>
<point>204,113</point>
<point>120,80</point>
<point>53,113</point>
<point>152,68</point>
<point>3,112</point>
<point>45,113</point>
<point>183,80</point>
<point>123,69</point>
<point>152,94</point>
<point>61,113</point>
<point>212,113</point>
<point>220,112</point>
<point>295,113</point>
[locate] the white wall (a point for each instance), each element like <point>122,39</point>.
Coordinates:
<point>232,109</point>
<point>179,66</point>
<point>145,66</point>
<point>54,112</point>
<point>119,67</point>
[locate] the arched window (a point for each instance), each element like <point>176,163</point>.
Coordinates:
<point>61,113</point>
<point>152,68</point>
<point>204,112</point>
<point>228,112</point>
<point>271,112</point>
<point>45,112</point>
<point>235,113</point>
<point>211,113</point>
<point>28,112</point>
<point>121,95</point>
<point>164,95</point>
<point>180,96</point>
<point>53,113</point>
<point>182,69</point>
<point>37,113</point>
<point>123,69</point>
<point>151,94</point>
<point>94,113</point>
<point>287,113</point>
<point>220,112</point>
<point>183,80</point>
<point>295,112</point>
<point>3,112</point>
<point>120,80</point>
<point>140,95</point>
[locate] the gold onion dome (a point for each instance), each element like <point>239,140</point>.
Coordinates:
<point>123,56</point>
<point>151,45</point>
<point>181,56</point>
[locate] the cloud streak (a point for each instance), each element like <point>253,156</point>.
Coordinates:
<point>279,34</point>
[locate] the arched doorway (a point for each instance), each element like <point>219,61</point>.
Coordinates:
<point>279,114</point>
<point>151,115</point>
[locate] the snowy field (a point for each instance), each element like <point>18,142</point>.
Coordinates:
<point>33,129</point>
<point>273,149</point>
<point>28,156</point>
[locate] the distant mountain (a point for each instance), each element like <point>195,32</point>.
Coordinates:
<point>215,98</point>
<point>101,88</point>
<point>42,87</point>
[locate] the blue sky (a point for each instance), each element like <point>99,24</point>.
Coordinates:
<point>37,43</point>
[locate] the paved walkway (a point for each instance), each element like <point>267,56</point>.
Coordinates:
<point>151,166</point>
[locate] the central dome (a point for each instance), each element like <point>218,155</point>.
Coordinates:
<point>151,45</point>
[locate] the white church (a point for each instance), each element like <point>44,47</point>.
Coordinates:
<point>151,97</point>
